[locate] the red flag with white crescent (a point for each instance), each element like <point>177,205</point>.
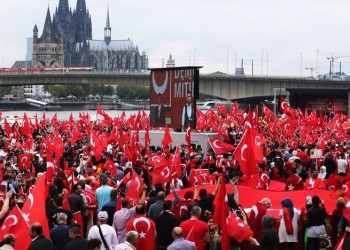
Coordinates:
<point>220,147</point>
<point>134,190</point>
<point>146,229</point>
<point>34,207</point>
<point>24,160</point>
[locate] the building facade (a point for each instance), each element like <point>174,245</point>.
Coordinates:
<point>67,41</point>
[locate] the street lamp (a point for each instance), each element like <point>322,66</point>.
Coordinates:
<point>301,64</point>
<point>267,63</point>
<point>262,62</point>
<point>227,60</point>
<point>235,61</point>
<point>317,62</point>
<point>194,57</point>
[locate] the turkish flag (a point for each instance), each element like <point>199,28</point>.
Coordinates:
<point>283,105</point>
<point>58,146</point>
<point>54,122</point>
<point>76,135</point>
<point>237,229</point>
<point>110,166</point>
<point>194,177</point>
<point>134,190</point>
<point>96,144</point>
<point>188,136</point>
<point>50,166</point>
<point>220,147</point>
<point>266,111</point>
<point>234,108</point>
<point>101,112</point>
<point>34,207</point>
<point>13,223</point>
<point>79,220</point>
<point>29,142</point>
<point>244,154</point>
<point>167,137</point>
<point>221,212</point>
<point>90,196</point>
<point>257,141</point>
<point>113,136</point>
<point>161,173</point>
<point>221,109</point>
<point>176,163</point>
<point>8,128</point>
<point>24,160</point>
<point>146,229</point>
<point>26,130</point>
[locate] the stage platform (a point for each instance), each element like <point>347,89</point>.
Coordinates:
<point>179,138</point>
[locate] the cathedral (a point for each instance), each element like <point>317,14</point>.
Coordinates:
<point>66,41</point>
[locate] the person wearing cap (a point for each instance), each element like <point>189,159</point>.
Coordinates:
<point>257,212</point>
<point>103,232</point>
<point>103,192</point>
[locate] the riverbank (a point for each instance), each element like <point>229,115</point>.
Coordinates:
<point>74,106</point>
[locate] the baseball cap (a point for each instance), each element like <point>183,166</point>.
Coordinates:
<point>102,215</point>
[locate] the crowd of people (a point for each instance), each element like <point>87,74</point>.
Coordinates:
<point>122,207</point>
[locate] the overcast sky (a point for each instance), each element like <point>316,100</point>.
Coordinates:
<point>280,37</point>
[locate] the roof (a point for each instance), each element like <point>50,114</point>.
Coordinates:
<point>217,74</point>
<point>22,64</point>
<point>114,45</point>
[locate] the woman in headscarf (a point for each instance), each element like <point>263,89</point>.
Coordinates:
<point>288,230</point>
<point>323,172</point>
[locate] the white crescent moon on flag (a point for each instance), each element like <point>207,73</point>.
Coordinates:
<point>188,132</point>
<point>345,188</point>
<point>286,126</point>
<point>215,143</point>
<point>167,171</point>
<point>282,105</point>
<point>248,124</point>
<point>142,219</point>
<point>265,109</point>
<point>245,146</point>
<point>31,198</point>
<point>138,183</point>
<point>15,220</point>
<point>92,141</point>
<point>160,89</point>
<point>24,159</point>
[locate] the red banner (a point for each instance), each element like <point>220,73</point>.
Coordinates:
<point>170,88</point>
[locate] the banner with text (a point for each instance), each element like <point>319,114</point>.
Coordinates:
<point>173,94</point>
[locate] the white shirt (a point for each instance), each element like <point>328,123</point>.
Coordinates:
<point>125,246</point>
<point>342,166</point>
<point>108,233</point>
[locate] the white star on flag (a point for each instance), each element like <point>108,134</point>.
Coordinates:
<point>291,187</point>
<point>142,234</point>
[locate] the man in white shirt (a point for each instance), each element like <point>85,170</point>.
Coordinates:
<point>342,165</point>
<point>104,232</point>
<point>132,238</point>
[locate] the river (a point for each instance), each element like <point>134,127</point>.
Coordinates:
<point>64,115</point>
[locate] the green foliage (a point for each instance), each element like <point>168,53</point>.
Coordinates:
<point>133,91</point>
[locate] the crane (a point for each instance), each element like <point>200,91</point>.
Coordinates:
<point>331,63</point>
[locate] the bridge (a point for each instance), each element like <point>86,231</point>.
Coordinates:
<point>216,84</point>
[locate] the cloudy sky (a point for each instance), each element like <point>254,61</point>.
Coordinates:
<point>282,38</point>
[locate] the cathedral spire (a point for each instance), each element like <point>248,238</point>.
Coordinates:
<point>81,7</point>
<point>108,29</point>
<point>47,26</point>
<point>63,7</point>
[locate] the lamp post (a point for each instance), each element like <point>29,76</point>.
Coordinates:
<point>235,61</point>
<point>194,57</point>
<point>267,63</point>
<point>301,64</point>
<point>317,62</point>
<point>189,58</point>
<point>262,62</point>
<point>70,60</point>
<point>227,60</point>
